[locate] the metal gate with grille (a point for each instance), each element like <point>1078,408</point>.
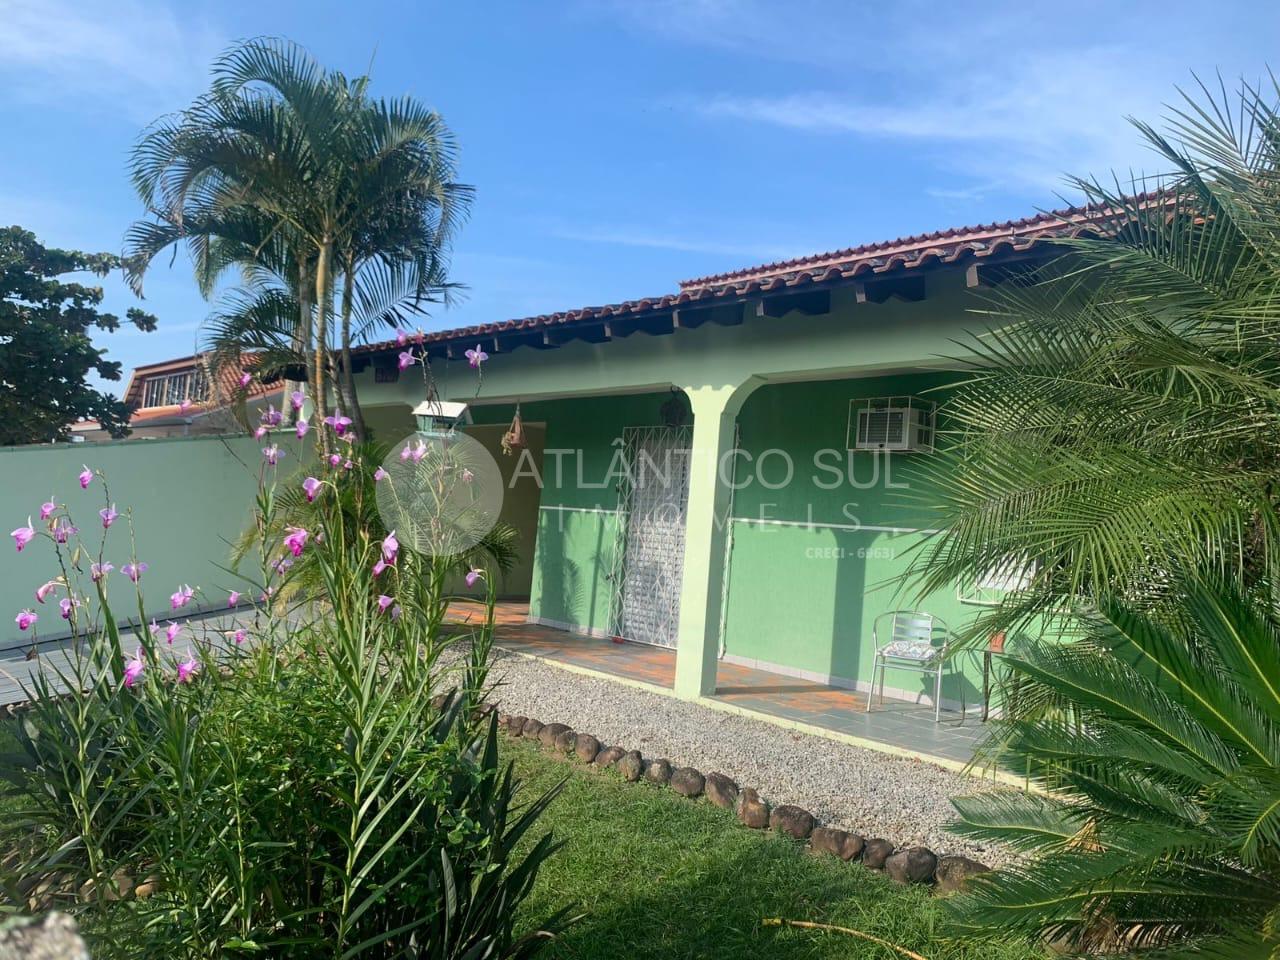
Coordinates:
<point>649,558</point>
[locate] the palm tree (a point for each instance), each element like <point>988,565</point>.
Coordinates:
<point>1121,418</point>
<point>1158,827</point>
<point>294,175</point>
<point>1118,442</point>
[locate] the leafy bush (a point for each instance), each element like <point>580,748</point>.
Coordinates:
<point>326,788</point>
<point>1159,824</point>
<point>354,503</point>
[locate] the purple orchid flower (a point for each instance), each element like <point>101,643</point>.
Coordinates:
<point>246,378</point>
<point>390,547</point>
<point>25,619</point>
<point>395,612</point>
<point>384,601</point>
<point>47,508</point>
<point>185,405</point>
<point>348,465</point>
<point>240,636</point>
<point>171,632</point>
<point>338,422</point>
<point>380,474</point>
<point>296,540</point>
<point>401,338</point>
<point>476,357</point>
<point>99,570</point>
<point>65,606</point>
<point>133,669</point>
<point>187,669</point>
<point>108,515</point>
<point>283,564</point>
<point>272,454</point>
<point>406,360</point>
<point>259,432</point>
<point>43,591</point>
<point>155,627</point>
<point>86,477</point>
<point>473,575</point>
<point>233,598</point>
<point>134,571</point>
<point>297,399</point>
<point>64,532</point>
<point>271,416</point>
<point>335,459</point>
<point>301,428</point>
<point>181,597</point>
<point>467,475</point>
<point>23,535</point>
<point>311,486</point>
<point>379,567</point>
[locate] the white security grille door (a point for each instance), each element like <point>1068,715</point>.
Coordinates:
<point>653,511</point>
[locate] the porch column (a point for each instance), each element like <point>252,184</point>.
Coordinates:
<point>715,413</point>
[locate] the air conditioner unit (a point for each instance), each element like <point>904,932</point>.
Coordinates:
<point>893,427</point>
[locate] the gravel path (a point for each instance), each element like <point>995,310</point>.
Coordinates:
<point>871,793</point>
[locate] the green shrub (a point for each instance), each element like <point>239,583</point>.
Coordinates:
<point>1157,828</point>
<point>326,789</point>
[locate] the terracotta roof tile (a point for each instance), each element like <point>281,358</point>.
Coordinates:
<point>949,246</point>
<point>942,245</point>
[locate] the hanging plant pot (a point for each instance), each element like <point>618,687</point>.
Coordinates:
<point>513,439</point>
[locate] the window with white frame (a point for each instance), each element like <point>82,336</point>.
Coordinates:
<point>170,389</point>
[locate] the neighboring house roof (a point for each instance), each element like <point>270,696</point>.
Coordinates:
<point>955,245</point>
<point>226,388</point>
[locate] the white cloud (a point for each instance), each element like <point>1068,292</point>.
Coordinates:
<point>1023,92</point>
<point>1030,119</point>
<point>128,57</point>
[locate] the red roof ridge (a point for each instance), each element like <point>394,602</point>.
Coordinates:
<point>1047,220</point>
<point>949,246</point>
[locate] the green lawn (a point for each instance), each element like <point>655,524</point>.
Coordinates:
<point>664,877</point>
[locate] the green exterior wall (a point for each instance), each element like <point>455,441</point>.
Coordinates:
<point>801,598</point>
<point>805,586</point>
<point>189,498</point>
<point>577,533</point>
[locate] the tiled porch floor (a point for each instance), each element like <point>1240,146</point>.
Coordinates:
<point>896,724</point>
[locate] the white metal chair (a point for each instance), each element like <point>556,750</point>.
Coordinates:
<point>913,644</point>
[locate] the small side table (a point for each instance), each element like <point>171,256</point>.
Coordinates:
<point>995,648</point>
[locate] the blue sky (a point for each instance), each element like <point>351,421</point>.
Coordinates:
<point>618,147</point>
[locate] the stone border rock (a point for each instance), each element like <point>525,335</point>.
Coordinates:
<point>912,865</point>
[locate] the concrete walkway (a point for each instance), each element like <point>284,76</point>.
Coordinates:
<point>893,726</point>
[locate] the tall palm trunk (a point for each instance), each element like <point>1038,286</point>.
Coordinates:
<point>349,398</point>
<point>323,300</point>
<point>303,336</point>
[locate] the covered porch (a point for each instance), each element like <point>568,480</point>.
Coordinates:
<point>743,476</point>
<point>894,726</point>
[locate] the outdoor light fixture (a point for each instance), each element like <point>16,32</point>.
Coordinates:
<point>440,418</point>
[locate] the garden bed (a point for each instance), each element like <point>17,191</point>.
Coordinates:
<point>660,876</point>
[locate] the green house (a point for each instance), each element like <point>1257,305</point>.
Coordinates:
<point>795,402</point>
